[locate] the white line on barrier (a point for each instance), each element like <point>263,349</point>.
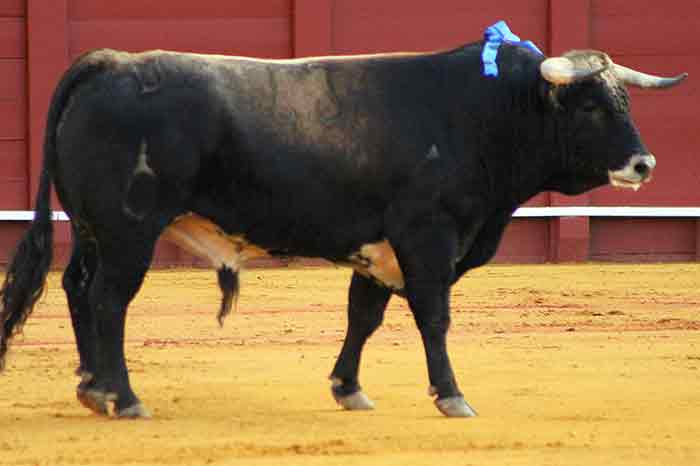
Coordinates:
<point>28,215</point>
<point>523,212</point>
<point>598,211</point>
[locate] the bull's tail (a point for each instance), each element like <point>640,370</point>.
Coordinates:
<point>26,275</point>
<point>230,287</point>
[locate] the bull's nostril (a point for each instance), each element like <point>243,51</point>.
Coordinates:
<point>642,169</point>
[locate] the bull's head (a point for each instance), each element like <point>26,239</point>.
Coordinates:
<point>602,145</point>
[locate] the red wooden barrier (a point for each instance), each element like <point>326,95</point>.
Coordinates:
<point>39,38</point>
<point>312,27</point>
<point>13,169</point>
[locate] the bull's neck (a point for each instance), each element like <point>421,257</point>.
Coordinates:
<point>532,158</point>
<point>505,125</point>
<point>517,154</point>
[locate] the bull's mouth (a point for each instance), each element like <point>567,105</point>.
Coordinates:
<point>636,171</point>
<point>623,182</point>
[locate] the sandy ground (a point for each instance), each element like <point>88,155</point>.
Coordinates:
<point>585,365</point>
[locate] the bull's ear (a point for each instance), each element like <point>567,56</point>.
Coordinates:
<point>550,95</point>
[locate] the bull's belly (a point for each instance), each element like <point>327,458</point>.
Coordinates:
<point>203,238</point>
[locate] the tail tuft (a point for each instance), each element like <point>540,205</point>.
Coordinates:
<point>25,280</point>
<point>230,287</point>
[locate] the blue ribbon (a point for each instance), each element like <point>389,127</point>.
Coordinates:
<point>494,36</point>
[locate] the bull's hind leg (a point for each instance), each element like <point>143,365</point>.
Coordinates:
<point>122,265</point>
<point>77,279</point>
<point>366,304</point>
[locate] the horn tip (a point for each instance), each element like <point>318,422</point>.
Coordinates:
<point>678,79</point>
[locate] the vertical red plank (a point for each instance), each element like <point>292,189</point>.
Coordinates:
<point>569,239</point>
<point>312,27</point>
<point>47,58</point>
<point>569,28</point>
<point>569,25</point>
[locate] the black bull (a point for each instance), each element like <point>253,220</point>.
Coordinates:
<point>405,167</point>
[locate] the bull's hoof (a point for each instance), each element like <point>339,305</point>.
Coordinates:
<point>357,401</point>
<point>135,411</point>
<point>454,406</point>
<point>351,398</point>
<point>93,400</point>
<point>85,376</point>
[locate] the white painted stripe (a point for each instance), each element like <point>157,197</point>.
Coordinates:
<point>597,211</point>
<point>523,212</point>
<point>28,215</point>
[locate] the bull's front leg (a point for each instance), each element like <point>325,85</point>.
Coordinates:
<point>429,302</point>
<point>427,253</point>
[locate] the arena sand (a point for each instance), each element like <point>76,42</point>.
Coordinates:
<point>567,365</point>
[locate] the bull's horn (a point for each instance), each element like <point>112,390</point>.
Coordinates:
<point>636,78</point>
<point>561,70</point>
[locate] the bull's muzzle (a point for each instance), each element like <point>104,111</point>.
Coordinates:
<point>636,171</point>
